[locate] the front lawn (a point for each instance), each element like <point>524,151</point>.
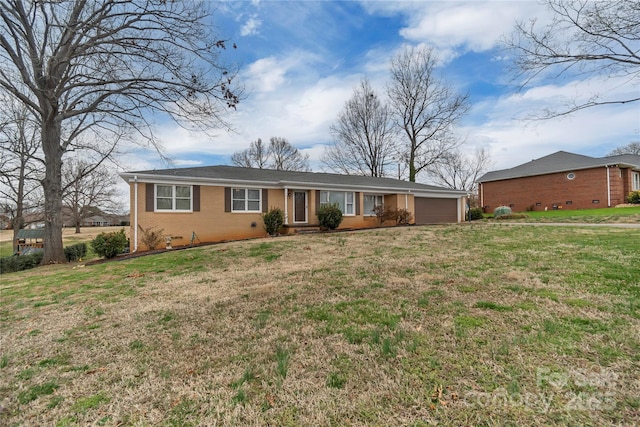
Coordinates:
<point>604,215</point>
<point>449,325</point>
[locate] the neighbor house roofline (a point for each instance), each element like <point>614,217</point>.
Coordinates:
<point>560,162</point>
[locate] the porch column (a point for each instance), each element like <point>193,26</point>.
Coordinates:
<point>286,206</point>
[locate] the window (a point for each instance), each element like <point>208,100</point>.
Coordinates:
<point>571,176</point>
<point>635,181</point>
<point>370,202</point>
<point>344,200</point>
<point>173,198</point>
<point>246,200</point>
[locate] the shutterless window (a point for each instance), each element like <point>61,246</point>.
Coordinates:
<point>246,199</point>
<point>173,198</point>
<point>371,201</point>
<point>344,200</point>
<point>635,181</point>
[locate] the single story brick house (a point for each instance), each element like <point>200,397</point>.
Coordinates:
<point>217,203</point>
<point>561,180</point>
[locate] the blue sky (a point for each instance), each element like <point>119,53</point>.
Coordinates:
<point>300,61</point>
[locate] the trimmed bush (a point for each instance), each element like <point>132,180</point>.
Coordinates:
<point>502,210</point>
<point>109,245</point>
<point>474,214</point>
<point>634,197</point>
<point>13,263</point>
<point>75,252</point>
<point>273,220</point>
<point>330,216</point>
<point>151,238</point>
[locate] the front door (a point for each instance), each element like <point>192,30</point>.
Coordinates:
<point>299,206</point>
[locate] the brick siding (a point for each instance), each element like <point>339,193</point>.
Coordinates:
<point>556,191</point>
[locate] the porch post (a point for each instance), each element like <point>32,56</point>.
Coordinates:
<point>286,206</point>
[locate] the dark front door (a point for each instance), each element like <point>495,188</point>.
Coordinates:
<point>300,206</point>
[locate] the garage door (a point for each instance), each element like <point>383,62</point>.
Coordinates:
<point>436,211</point>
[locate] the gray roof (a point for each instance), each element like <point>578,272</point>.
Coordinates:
<point>276,178</point>
<point>560,161</point>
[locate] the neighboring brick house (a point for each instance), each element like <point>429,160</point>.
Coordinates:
<point>216,203</point>
<point>562,181</point>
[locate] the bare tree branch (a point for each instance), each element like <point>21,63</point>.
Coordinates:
<point>584,38</point>
<point>96,67</point>
<point>425,107</point>
<point>363,132</point>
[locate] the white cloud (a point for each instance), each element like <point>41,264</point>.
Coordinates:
<point>251,27</point>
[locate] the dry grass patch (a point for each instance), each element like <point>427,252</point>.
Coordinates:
<point>456,325</point>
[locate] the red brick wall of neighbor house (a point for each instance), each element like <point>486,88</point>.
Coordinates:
<point>545,191</point>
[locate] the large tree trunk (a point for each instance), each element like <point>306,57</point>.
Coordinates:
<point>52,186</point>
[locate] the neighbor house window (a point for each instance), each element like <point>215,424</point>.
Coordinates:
<point>344,199</point>
<point>246,200</point>
<point>173,198</point>
<point>371,201</point>
<point>635,181</point>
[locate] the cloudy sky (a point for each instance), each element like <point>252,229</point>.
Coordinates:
<point>300,61</point>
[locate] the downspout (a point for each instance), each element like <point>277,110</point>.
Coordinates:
<point>286,206</point>
<point>406,201</point>
<point>135,213</point>
<point>608,186</point>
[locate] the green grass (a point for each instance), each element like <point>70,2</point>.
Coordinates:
<point>602,215</point>
<point>447,325</point>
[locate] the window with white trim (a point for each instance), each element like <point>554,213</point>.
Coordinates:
<point>635,181</point>
<point>344,199</point>
<point>246,200</point>
<point>371,201</point>
<point>173,198</point>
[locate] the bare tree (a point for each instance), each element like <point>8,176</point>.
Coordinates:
<point>631,148</point>
<point>19,165</point>
<point>88,66</point>
<point>459,171</point>
<point>424,107</point>
<point>286,157</point>
<point>279,155</point>
<point>88,189</point>
<point>256,156</point>
<point>595,38</point>
<point>363,132</point>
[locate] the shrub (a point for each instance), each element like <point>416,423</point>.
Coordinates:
<point>109,245</point>
<point>75,252</point>
<point>474,214</point>
<point>330,216</point>
<point>384,214</point>
<point>273,220</point>
<point>403,216</point>
<point>150,237</point>
<point>634,197</point>
<point>501,210</point>
<point>20,262</point>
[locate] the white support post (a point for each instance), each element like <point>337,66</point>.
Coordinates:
<point>286,206</point>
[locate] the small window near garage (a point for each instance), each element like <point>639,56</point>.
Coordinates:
<point>595,202</point>
<point>571,176</point>
<point>569,202</point>
<point>538,203</point>
<point>512,205</point>
<point>371,201</point>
